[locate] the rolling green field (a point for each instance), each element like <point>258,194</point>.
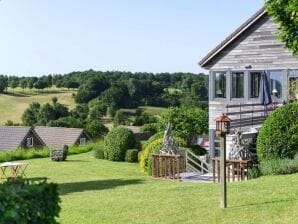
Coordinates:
<point>13,104</point>
<point>100,191</point>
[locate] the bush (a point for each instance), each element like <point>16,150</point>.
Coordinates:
<point>29,201</point>
<point>98,150</point>
<point>117,142</point>
<point>152,127</point>
<point>279,166</point>
<point>198,150</point>
<point>131,156</point>
<point>154,137</point>
<point>23,154</point>
<point>96,129</point>
<point>76,149</point>
<point>278,137</point>
<point>153,147</point>
<point>253,172</point>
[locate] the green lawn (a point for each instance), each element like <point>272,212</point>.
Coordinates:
<point>99,191</point>
<point>13,104</point>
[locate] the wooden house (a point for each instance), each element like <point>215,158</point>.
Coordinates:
<point>57,137</point>
<point>235,67</point>
<point>14,137</point>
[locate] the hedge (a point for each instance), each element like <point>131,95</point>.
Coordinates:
<point>278,138</point>
<point>29,201</point>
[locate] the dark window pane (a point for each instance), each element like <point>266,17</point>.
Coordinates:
<point>237,85</point>
<point>255,79</point>
<point>220,85</point>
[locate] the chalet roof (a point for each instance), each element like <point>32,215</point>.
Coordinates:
<point>259,14</point>
<point>56,137</point>
<point>11,137</point>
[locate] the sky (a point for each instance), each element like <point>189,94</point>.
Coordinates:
<point>60,36</point>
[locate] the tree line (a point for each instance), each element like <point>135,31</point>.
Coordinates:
<point>115,89</point>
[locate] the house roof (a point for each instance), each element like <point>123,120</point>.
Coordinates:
<point>259,14</point>
<point>56,137</point>
<point>11,137</point>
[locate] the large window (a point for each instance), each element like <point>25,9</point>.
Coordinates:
<point>255,80</point>
<point>237,85</point>
<point>276,83</point>
<point>220,85</point>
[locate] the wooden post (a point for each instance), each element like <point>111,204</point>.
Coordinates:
<point>223,180</point>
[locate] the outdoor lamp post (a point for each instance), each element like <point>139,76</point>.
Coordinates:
<point>222,128</point>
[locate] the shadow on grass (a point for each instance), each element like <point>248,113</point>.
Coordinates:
<point>264,203</point>
<point>76,160</point>
<point>17,94</point>
<point>67,188</point>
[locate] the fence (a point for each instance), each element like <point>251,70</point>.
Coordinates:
<point>236,170</point>
<point>167,166</point>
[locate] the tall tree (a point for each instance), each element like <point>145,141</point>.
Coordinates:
<point>3,83</point>
<point>285,14</point>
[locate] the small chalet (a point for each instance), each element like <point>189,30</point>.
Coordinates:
<point>236,67</point>
<point>13,137</point>
<point>57,137</point>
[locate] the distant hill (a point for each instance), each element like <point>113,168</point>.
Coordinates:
<point>13,104</point>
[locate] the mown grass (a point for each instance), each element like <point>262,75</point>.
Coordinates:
<point>14,103</point>
<point>100,191</point>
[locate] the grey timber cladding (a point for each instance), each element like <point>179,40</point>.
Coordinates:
<point>256,46</point>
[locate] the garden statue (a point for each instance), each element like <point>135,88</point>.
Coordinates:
<point>169,145</point>
<point>240,149</point>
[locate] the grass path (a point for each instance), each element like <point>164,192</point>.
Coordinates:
<point>99,191</point>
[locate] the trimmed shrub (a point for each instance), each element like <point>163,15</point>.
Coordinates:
<point>29,201</point>
<point>153,147</point>
<point>117,142</point>
<point>278,137</point>
<point>131,156</point>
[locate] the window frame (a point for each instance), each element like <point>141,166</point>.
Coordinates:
<point>31,142</point>
<point>250,86</point>
<point>83,139</point>
<point>282,81</point>
<point>213,89</point>
<point>231,85</point>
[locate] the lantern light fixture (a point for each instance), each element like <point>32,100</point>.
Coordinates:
<point>222,125</point>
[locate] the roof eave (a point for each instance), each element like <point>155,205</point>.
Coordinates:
<point>232,37</point>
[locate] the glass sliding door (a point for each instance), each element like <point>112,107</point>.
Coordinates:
<point>237,85</point>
